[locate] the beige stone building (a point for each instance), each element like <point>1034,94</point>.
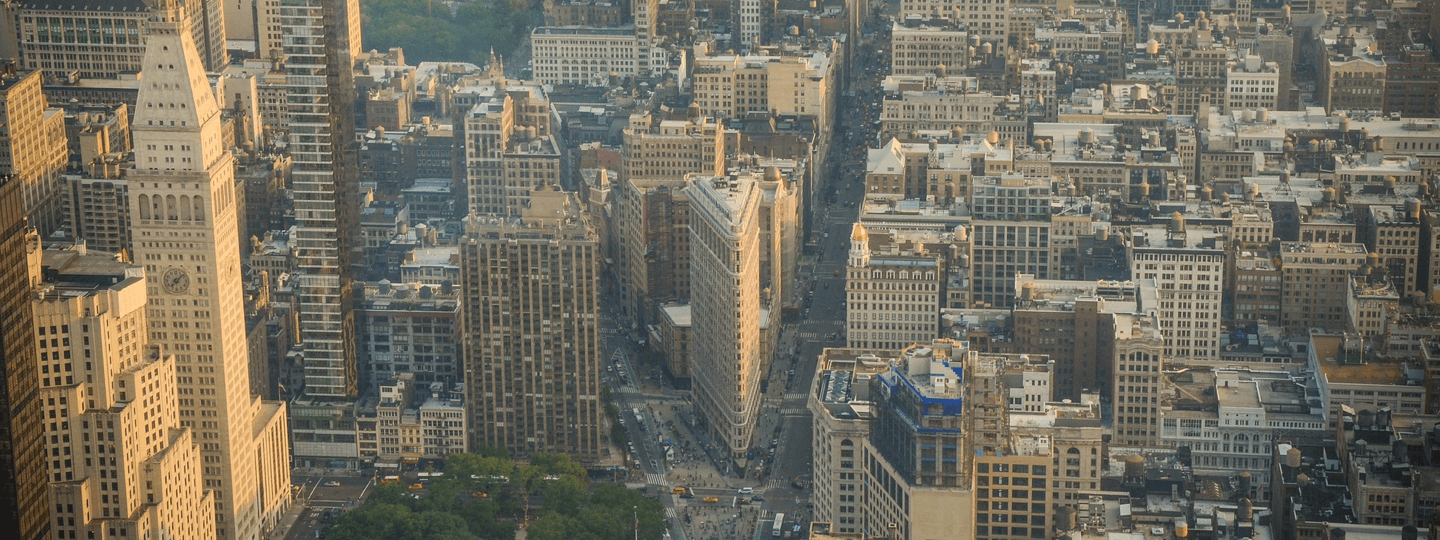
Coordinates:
<point>1252,83</point>
<point>936,106</point>
<point>1011,236</point>
<point>736,260</point>
<point>842,409</point>
<point>895,289</point>
<point>510,148</point>
<point>928,47</point>
<point>588,55</point>
<point>404,423</point>
<point>771,80</point>
<point>1188,266</point>
<point>1137,380</point>
<point>142,476</point>
<point>661,148</point>
<point>33,147</point>
<point>185,222</point>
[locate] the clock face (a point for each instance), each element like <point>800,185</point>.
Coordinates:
<point>175,281</point>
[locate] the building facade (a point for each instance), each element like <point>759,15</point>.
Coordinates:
<point>124,391</point>
<point>185,231</point>
<point>515,402</point>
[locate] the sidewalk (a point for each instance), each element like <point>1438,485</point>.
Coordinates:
<point>287,521</point>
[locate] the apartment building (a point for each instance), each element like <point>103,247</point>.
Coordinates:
<point>770,80</point>
<point>928,47</point>
<point>1137,365</point>
<point>1230,418</point>
<point>588,55</point>
<point>1188,266</point>
<point>511,147</point>
<point>549,251</point>
<point>403,422</point>
<point>98,210</point>
<point>1074,323</point>
<point>1252,83</point>
<point>843,409</point>
<point>1313,280</point>
<point>34,148</point>
<point>935,106</point>
<point>1011,235</point>
<point>1369,304</point>
<point>654,244</point>
<point>409,328</point>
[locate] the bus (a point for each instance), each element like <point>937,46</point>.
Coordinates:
<point>779,527</point>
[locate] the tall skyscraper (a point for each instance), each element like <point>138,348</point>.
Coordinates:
<point>101,377</point>
<point>22,449</point>
<point>184,213</point>
<point>321,41</point>
<point>531,332</point>
<point>32,146</point>
<point>725,301</point>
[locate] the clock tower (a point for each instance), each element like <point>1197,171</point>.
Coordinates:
<point>182,207</point>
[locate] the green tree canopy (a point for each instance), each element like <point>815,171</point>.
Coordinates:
<point>428,31</point>
<point>485,497</point>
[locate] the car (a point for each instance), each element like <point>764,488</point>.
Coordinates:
<point>746,490</point>
<point>678,490</point>
<point>417,487</point>
<point>710,499</point>
<point>687,495</point>
<point>332,483</point>
<point>741,501</point>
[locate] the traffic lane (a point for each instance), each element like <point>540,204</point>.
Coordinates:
<point>334,489</point>
<point>310,524</point>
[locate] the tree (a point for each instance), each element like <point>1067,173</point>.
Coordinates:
<point>564,496</point>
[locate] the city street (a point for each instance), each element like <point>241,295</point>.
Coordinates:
<point>782,435</point>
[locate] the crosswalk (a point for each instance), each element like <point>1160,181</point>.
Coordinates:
<point>655,479</point>
<point>793,412</point>
<point>775,483</point>
<point>671,513</point>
